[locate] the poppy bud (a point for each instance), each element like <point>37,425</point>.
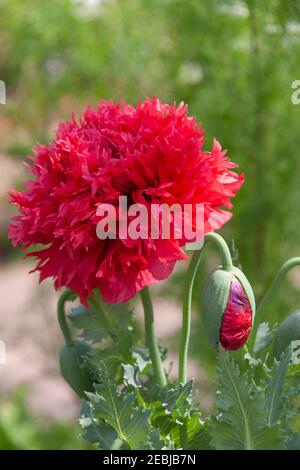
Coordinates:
<point>288,331</point>
<point>228,308</point>
<point>71,358</point>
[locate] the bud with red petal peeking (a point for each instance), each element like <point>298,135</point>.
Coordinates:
<point>228,308</point>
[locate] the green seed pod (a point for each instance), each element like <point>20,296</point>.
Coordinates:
<point>228,308</point>
<point>71,358</point>
<point>288,331</point>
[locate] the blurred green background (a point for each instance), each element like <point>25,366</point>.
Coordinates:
<point>233,63</point>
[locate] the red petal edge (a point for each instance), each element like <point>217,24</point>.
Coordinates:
<point>237,319</point>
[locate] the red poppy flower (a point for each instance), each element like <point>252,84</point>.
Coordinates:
<point>151,153</point>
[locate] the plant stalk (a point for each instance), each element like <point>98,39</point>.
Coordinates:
<point>187,297</point>
<point>223,248</point>
<point>186,316</point>
<point>61,314</point>
<point>151,342</point>
<point>260,313</point>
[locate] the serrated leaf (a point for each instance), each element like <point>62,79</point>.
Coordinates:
<point>154,442</point>
<point>200,440</point>
<point>240,422</point>
<point>253,362</point>
<point>101,320</point>
<point>172,400</point>
<point>290,412</point>
<point>98,433</point>
<point>292,441</point>
<point>119,411</point>
<point>264,337</point>
<point>90,323</point>
<point>130,375</point>
<point>170,406</point>
<point>225,438</point>
<point>294,369</point>
<point>118,317</point>
<point>116,348</point>
<point>141,357</point>
<point>197,433</point>
<point>112,357</point>
<point>274,388</point>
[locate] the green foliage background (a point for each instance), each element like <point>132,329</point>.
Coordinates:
<point>232,62</point>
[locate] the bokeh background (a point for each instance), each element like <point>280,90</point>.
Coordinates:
<point>233,63</point>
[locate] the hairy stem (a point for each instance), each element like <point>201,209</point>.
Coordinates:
<point>61,314</point>
<point>150,338</point>
<point>223,248</point>
<point>187,311</point>
<point>187,298</point>
<point>261,312</point>
<point>186,316</point>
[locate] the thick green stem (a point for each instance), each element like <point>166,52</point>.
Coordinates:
<point>187,312</point>
<point>261,312</point>
<point>150,338</point>
<point>187,298</point>
<point>223,248</point>
<point>186,316</point>
<point>61,314</point>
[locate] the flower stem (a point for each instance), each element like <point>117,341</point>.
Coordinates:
<point>61,314</point>
<point>187,298</point>
<point>285,268</point>
<point>150,338</point>
<point>186,316</point>
<point>223,248</point>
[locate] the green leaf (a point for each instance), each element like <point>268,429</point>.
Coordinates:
<point>112,327</point>
<point>118,317</point>
<point>119,411</point>
<point>264,337</point>
<point>292,441</point>
<point>274,389</point>
<point>240,422</point>
<point>200,440</point>
<point>99,433</point>
<point>112,356</point>
<point>169,406</point>
<point>155,442</point>
<point>90,323</point>
<point>141,357</point>
<point>102,320</point>
<point>290,413</point>
<point>225,438</point>
<point>197,431</point>
<point>130,375</point>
